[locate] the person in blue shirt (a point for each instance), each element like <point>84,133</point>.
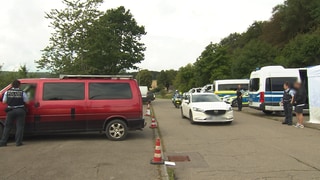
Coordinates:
<point>287,101</point>
<point>16,100</point>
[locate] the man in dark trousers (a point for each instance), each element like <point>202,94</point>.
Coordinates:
<point>287,101</point>
<point>239,97</point>
<point>15,99</point>
<point>299,101</point>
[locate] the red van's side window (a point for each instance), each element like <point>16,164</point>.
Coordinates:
<point>63,91</point>
<point>100,91</point>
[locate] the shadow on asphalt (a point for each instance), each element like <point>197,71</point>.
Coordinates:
<point>80,136</point>
<point>214,124</point>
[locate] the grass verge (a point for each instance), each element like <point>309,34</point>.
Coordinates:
<point>171,173</point>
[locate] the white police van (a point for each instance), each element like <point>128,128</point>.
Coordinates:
<point>266,87</point>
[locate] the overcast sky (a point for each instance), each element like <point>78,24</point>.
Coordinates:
<point>177,30</point>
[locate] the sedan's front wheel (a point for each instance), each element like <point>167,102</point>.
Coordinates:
<point>182,116</point>
<point>191,118</point>
<point>116,130</point>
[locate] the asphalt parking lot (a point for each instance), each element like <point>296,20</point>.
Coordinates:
<point>252,147</point>
<point>80,156</point>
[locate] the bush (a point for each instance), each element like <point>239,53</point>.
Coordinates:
<point>163,93</point>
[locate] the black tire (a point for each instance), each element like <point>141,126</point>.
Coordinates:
<point>234,103</point>
<point>182,116</point>
<point>1,130</point>
<point>116,130</point>
<point>191,118</point>
<point>268,112</point>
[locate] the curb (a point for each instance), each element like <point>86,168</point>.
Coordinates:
<point>163,168</point>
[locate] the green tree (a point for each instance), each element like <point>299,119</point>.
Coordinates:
<point>213,64</point>
<point>302,51</point>
<point>7,78</point>
<point>22,72</point>
<point>185,78</point>
<point>86,40</point>
<point>255,54</point>
<point>166,78</point>
<point>144,78</point>
<point>70,25</point>
<point>113,43</point>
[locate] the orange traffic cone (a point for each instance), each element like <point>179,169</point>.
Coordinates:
<point>157,159</point>
<point>153,123</point>
<point>148,112</point>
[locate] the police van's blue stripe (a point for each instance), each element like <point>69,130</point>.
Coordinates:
<point>269,97</point>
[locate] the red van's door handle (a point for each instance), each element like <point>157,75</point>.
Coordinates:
<point>37,104</point>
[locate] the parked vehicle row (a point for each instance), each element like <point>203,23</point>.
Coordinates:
<point>226,90</point>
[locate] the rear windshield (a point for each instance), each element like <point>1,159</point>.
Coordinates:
<point>276,84</point>
<point>254,84</point>
<point>100,91</point>
<point>232,87</point>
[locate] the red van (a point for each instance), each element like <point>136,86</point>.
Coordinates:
<point>81,103</point>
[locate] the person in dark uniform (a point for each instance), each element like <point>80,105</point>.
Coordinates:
<point>239,97</point>
<point>15,99</point>
<point>299,101</point>
<point>287,101</point>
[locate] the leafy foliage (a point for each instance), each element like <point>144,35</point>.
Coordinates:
<point>290,38</point>
<point>90,41</point>
<point>166,78</point>
<point>144,78</point>
<point>185,78</point>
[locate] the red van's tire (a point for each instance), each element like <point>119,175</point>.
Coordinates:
<point>116,130</point>
<point>1,130</point>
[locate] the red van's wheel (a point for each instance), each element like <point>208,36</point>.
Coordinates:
<point>116,130</point>
<point>1,130</point>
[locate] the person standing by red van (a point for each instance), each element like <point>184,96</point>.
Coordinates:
<point>15,99</point>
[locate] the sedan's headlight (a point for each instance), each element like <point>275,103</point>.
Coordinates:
<point>198,109</point>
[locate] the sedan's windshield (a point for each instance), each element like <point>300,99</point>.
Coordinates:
<point>205,98</point>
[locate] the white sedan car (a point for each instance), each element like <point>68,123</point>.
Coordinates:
<point>206,107</point>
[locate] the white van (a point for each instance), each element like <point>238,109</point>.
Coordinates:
<point>229,86</point>
<point>266,87</point>
<point>227,90</point>
<point>207,88</point>
<point>144,93</point>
